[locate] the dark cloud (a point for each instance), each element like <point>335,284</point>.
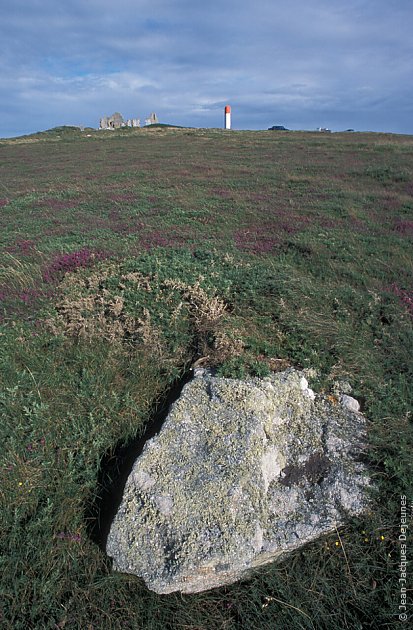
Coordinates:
<point>302,63</point>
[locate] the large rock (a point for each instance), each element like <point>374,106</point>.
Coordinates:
<point>241,473</point>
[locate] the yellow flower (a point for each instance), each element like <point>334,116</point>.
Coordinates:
<point>20,483</point>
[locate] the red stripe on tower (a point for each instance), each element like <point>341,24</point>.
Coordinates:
<point>227,117</point>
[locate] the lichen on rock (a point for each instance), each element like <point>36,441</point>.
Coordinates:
<point>241,473</point>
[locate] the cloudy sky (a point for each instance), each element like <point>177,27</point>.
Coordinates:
<point>299,63</point>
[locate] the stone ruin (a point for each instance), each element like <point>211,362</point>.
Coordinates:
<point>242,473</point>
<point>116,121</point>
<point>152,120</point>
<point>112,122</point>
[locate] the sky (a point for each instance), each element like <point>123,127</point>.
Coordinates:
<point>304,64</point>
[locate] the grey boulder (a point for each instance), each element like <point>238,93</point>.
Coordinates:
<point>241,473</point>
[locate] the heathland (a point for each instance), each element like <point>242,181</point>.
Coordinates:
<point>130,256</point>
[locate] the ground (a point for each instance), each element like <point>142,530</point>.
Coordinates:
<point>129,256</point>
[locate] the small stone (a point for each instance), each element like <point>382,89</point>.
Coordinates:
<point>350,403</point>
<point>303,383</point>
<point>305,389</point>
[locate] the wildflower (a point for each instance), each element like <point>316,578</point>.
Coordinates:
<point>20,483</point>
<point>69,536</point>
<point>337,543</point>
<point>64,263</point>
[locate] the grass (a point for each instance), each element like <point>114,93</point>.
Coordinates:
<point>130,256</point>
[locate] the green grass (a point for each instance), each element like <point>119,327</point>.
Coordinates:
<point>128,257</point>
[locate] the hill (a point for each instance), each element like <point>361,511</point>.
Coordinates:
<point>128,258</point>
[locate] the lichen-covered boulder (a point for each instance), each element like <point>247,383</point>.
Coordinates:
<point>241,473</point>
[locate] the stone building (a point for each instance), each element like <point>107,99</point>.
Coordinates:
<point>116,121</point>
<point>152,120</point>
<point>112,122</point>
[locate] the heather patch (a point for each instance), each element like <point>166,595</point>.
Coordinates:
<point>58,204</point>
<point>404,227</point>
<point>405,296</point>
<point>21,302</point>
<point>63,263</point>
<point>29,296</point>
<point>121,224</point>
<point>222,193</point>
<point>265,238</point>
<point>3,202</point>
<point>327,223</point>
<point>390,204</point>
<point>256,240</point>
<point>409,189</point>
<point>87,221</point>
<point>22,246</point>
<point>153,238</point>
<point>123,197</point>
<point>257,197</point>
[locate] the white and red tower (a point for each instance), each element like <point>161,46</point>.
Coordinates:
<point>227,117</point>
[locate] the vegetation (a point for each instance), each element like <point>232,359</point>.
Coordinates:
<point>130,257</point>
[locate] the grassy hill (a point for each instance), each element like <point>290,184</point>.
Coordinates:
<point>126,258</point>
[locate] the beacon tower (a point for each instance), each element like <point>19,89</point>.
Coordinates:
<point>227,117</point>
